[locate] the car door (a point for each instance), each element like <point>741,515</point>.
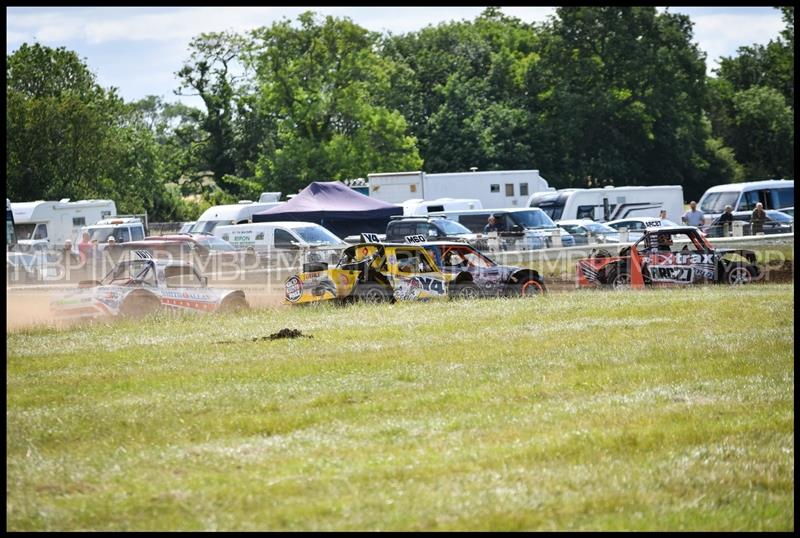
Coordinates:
<point>415,275</point>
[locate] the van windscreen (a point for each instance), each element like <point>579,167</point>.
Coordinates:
<point>532,219</point>
<point>317,235</point>
<point>715,202</point>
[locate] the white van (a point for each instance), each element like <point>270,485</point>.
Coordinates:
<point>265,237</point>
<point>772,193</point>
<point>233,213</point>
<point>123,229</point>
<point>610,203</point>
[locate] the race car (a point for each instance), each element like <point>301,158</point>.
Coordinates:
<point>490,279</point>
<point>142,285</point>
<point>656,260</point>
<point>376,272</point>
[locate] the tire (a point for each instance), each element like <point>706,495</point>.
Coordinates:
<point>618,278</point>
<point>372,293</point>
<point>137,305</point>
<point>530,288</point>
<point>738,273</point>
<point>466,290</point>
<point>234,303</point>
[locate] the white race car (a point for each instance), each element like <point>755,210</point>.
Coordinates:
<point>144,285</point>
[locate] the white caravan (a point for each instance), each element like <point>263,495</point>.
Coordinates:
<point>611,203</point>
<point>503,188</point>
<point>418,206</point>
<point>234,213</point>
<point>772,193</point>
<point>57,221</point>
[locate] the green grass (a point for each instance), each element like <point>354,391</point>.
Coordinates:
<point>656,410</point>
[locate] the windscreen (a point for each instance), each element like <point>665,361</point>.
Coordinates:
<point>715,202</point>
<point>317,235</point>
<point>452,227</point>
<point>533,219</point>
<point>205,226</point>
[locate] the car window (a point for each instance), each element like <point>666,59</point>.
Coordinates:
<point>412,262</point>
<point>284,239</point>
<point>181,276</point>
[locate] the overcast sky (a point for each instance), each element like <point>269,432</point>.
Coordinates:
<point>138,49</point>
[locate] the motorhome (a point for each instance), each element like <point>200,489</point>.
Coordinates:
<point>772,193</point>
<point>240,213</point>
<point>503,188</point>
<point>57,221</point>
<point>610,203</point>
<point>420,207</point>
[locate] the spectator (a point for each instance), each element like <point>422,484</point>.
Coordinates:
<point>693,217</point>
<point>725,221</point>
<point>85,247</point>
<point>757,219</point>
<point>491,226</point>
<point>663,214</point>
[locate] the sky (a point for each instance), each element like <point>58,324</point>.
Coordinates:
<point>139,49</point>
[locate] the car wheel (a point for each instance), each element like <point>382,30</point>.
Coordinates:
<point>234,303</point>
<point>619,278</point>
<point>372,293</point>
<point>739,274</point>
<point>137,305</point>
<point>530,288</point>
<point>466,290</point>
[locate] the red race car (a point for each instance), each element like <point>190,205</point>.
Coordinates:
<point>675,255</point>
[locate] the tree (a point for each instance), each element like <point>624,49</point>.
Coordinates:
<point>320,87</point>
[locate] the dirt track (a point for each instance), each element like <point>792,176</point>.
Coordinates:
<point>30,306</point>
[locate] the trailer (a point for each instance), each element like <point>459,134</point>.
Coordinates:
<point>56,222</point>
<point>611,203</point>
<point>502,188</point>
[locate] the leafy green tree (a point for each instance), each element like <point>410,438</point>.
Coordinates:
<point>320,85</point>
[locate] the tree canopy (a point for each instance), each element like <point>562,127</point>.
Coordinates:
<point>596,95</point>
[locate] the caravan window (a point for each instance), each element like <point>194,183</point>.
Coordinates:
<point>495,187</point>
<point>509,189</point>
<point>79,221</point>
<point>523,189</point>
<point>585,212</point>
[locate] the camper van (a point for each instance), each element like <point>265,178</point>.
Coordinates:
<point>772,193</point>
<point>264,237</point>
<point>11,236</point>
<point>241,213</point>
<point>503,188</point>
<point>533,224</point>
<point>56,222</point>
<point>610,203</point>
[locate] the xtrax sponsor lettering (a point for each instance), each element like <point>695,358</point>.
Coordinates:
<point>429,284</point>
<point>671,273</point>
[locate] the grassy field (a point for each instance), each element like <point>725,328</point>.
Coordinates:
<point>657,410</point>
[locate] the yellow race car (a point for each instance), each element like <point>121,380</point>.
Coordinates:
<point>377,272</point>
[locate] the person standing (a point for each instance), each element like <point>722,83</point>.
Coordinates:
<point>693,217</point>
<point>663,214</point>
<point>491,225</point>
<point>85,247</point>
<point>725,221</point>
<point>757,219</point>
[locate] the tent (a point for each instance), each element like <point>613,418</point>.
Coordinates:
<point>335,206</point>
